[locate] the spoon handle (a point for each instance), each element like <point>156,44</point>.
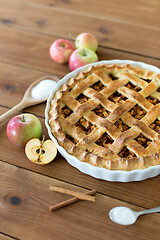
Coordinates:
<point>12,111</point>
<point>152,210</point>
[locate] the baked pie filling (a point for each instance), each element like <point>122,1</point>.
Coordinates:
<point>109,116</point>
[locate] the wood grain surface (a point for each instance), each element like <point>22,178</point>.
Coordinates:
<point>125,30</point>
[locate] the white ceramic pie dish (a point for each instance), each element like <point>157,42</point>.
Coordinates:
<point>98,172</point>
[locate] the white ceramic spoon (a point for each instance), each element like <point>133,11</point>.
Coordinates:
<point>28,100</point>
<point>126,216</point>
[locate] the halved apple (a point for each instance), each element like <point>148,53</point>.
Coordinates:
<point>40,152</point>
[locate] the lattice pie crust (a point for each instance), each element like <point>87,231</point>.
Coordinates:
<point>109,116</point>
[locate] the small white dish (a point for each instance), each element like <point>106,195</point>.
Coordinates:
<point>97,172</point>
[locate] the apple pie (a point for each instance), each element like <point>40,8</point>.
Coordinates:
<point>109,116</point>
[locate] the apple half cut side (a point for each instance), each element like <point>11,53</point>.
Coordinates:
<point>40,152</point>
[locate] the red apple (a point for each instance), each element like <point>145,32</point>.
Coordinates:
<point>60,50</point>
<point>81,57</point>
<point>22,128</point>
<point>86,40</point>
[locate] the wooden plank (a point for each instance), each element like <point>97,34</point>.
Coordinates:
<point>144,12</point>
<point>27,49</point>
<point>118,35</point>
<point>25,198</point>
<point>5,237</point>
<point>60,169</point>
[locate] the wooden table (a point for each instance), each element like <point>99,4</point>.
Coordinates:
<point>125,30</point>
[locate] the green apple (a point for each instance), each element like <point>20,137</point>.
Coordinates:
<point>86,40</point>
<point>21,128</point>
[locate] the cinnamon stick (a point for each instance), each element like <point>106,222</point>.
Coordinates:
<point>79,195</point>
<point>69,201</point>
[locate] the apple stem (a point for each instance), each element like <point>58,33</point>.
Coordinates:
<point>62,45</point>
<point>23,119</point>
<point>71,36</point>
<point>84,53</point>
<point>43,138</point>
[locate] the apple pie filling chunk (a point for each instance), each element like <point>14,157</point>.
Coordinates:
<point>98,86</point>
<point>82,98</point>
<point>143,141</point>
<point>66,112</point>
<point>137,112</point>
<point>117,98</point>
<point>121,126</point>
<point>155,126</point>
<point>105,140</point>
<point>133,87</point>
<point>152,100</point>
<point>101,111</point>
<point>86,126</point>
<point>158,90</point>
<point>125,152</point>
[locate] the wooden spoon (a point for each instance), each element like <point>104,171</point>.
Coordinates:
<point>27,100</point>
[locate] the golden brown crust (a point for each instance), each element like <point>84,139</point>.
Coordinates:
<point>118,102</point>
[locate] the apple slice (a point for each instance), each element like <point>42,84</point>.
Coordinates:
<point>40,152</point>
